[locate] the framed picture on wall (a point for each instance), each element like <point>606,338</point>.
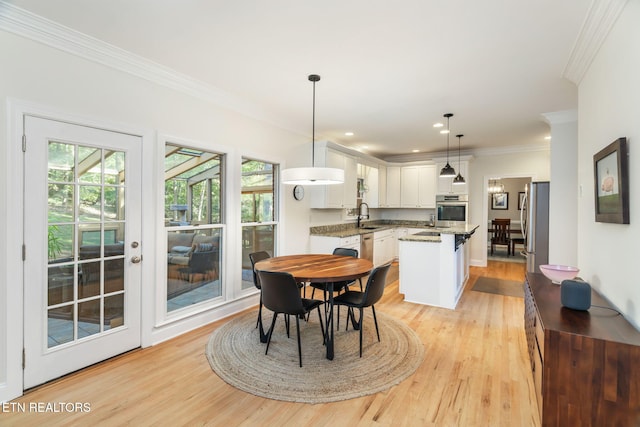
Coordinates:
<point>611,183</point>
<point>520,199</point>
<point>500,201</point>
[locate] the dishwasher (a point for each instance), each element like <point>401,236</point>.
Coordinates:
<point>366,246</point>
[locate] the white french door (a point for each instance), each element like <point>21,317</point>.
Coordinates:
<point>82,230</point>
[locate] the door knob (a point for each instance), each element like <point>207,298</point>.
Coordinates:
<point>136,259</point>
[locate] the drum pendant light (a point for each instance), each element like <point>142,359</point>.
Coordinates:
<point>459,179</point>
<point>313,175</point>
<point>447,170</point>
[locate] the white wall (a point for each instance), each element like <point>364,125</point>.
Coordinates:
<point>609,108</point>
<point>51,78</point>
<point>563,191</point>
<point>533,164</point>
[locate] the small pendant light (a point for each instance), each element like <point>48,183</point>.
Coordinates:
<point>447,170</point>
<point>313,175</point>
<point>459,179</point>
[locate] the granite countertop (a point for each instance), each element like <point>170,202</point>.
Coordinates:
<point>433,235</point>
<point>348,230</point>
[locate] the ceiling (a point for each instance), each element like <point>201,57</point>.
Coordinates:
<point>389,70</point>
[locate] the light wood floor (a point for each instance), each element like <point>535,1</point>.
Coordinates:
<point>475,373</point>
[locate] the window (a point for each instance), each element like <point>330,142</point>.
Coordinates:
<point>258,213</point>
<point>193,220</point>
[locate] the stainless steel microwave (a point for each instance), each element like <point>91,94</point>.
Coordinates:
<point>452,210</point>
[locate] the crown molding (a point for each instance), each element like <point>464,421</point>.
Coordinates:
<point>600,19</point>
<point>468,154</point>
<point>34,27</point>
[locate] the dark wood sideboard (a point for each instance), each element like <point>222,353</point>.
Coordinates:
<point>585,364</point>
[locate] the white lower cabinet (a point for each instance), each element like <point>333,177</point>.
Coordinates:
<point>326,245</point>
<point>384,243</point>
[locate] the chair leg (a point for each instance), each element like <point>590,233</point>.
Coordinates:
<point>375,320</point>
<point>321,325</point>
<point>287,321</point>
<point>360,326</point>
<point>259,311</point>
<point>273,322</point>
<point>299,345</point>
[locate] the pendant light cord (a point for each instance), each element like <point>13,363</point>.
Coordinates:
<point>313,127</point>
<point>448,132</point>
<point>313,78</point>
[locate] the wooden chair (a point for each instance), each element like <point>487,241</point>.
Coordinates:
<point>501,234</point>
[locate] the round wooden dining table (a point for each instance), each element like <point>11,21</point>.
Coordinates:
<point>320,268</point>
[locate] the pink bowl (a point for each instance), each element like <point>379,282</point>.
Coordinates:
<point>558,273</point>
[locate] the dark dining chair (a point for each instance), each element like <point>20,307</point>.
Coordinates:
<point>337,286</point>
<point>281,294</point>
<point>501,234</point>
<point>372,293</point>
<point>254,258</point>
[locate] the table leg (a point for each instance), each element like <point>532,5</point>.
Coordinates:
<point>329,323</point>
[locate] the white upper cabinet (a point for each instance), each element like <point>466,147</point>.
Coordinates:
<point>393,187</point>
<point>418,186</point>
<point>382,186</point>
<point>339,196</point>
<point>445,185</point>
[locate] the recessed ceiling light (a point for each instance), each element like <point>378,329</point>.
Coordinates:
<point>444,131</point>
<point>348,133</point>
<point>415,151</point>
<point>438,125</point>
<point>547,138</point>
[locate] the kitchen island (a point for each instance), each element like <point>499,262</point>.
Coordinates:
<point>434,265</point>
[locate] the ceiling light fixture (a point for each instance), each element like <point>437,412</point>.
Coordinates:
<point>447,170</point>
<point>495,186</point>
<point>459,179</point>
<point>313,175</point>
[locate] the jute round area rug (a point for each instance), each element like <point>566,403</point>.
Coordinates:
<point>235,353</point>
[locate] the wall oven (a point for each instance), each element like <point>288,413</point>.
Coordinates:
<point>452,210</point>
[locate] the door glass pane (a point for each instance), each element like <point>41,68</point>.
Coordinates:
<point>90,165</point>
<point>60,284</point>
<point>90,208</point>
<point>114,168</point>
<point>82,209</point>
<point>61,162</point>
<point>114,273</point>
<point>113,311</point>
<point>60,325</point>
<point>88,318</point>
<point>193,182</point>
<point>60,242</point>
<point>62,201</point>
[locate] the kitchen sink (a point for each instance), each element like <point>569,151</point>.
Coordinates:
<point>369,228</point>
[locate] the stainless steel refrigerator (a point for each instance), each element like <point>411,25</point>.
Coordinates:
<point>534,218</point>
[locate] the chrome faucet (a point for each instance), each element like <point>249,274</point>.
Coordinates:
<point>363,214</point>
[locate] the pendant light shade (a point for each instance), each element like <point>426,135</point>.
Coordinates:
<point>447,170</point>
<point>312,175</point>
<point>459,179</point>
